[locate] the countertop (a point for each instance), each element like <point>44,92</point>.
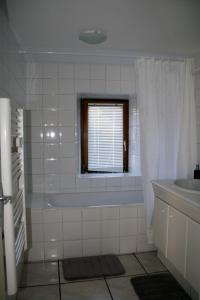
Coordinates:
<point>185,201</point>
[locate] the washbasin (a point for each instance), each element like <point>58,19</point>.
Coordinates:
<point>189,185</point>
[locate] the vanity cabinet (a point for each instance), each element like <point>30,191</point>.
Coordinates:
<point>177,237</point>
<point>193,255</point>
<point>177,234</point>
<point>160,224</point>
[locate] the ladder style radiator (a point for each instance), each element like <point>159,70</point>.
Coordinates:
<point>13,186</point>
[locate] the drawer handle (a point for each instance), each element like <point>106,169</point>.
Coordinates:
<point>171,216</point>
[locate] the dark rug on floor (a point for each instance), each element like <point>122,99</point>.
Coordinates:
<point>92,266</point>
<point>158,287</point>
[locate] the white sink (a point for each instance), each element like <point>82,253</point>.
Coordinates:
<point>189,185</point>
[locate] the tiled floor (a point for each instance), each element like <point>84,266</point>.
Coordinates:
<point>45,281</point>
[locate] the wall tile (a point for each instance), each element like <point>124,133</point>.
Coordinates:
<point>127,87</point>
<point>71,214</point>
<point>65,86</point>
<point>98,71</point>
<point>91,214</point>
<point>128,211</point>
<point>82,71</point>
<point>127,73</point>
<point>141,211</point>
<point>66,118</point>
<point>67,150</point>
<point>72,231</point>
<point>72,249</point>
<point>51,166</point>
<point>66,71</point>
<point>82,86</point>
<point>37,184</point>
<point>141,226</point>
<point>34,102</point>
<point>36,166</point>
<point>35,150</point>
<point>67,182</point>
<point>128,244</point>
<point>110,245</point>
<point>66,166</point>
<point>142,244</point>
<point>128,227</point>
<point>35,134</point>
<point>110,228</point>
<point>97,86</point>
<point>52,215</point>
<point>50,117</point>
<point>34,86</point>
<point>110,213</point>
<point>51,150</point>
<point>34,216</point>
<point>52,183</point>
<point>49,86</point>
<point>50,70</point>
<point>66,134</point>
<point>91,230</point>
<point>50,102</point>
<point>53,232</point>
<point>113,87</point>
<point>66,102</point>
<point>53,250</point>
<point>35,233</point>
<point>36,118</point>
<point>35,252</point>
<point>91,247</point>
<point>51,134</point>
<point>113,72</point>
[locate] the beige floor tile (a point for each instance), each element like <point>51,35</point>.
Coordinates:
<point>39,293</point>
<point>90,290</point>
<point>131,265</point>
<point>40,274</point>
<point>151,262</point>
<point>122,289</point>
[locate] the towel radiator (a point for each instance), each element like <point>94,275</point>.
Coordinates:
<point>13,187</point>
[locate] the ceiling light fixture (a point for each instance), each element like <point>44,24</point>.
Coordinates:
<point>92,36</point>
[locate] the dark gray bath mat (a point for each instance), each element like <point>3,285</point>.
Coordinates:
<point>91,267</point>
<point>158,287</point>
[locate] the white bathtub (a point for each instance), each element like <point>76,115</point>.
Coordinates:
<point>84,199</point>
<point>81,224</point>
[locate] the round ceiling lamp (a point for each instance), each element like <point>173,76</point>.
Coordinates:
<point>92,36</point>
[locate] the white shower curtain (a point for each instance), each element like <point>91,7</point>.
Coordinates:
<point>165,92</point>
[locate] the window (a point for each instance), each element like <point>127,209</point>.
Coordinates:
<point>104,136</point>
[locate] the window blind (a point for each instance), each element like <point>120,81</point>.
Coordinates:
<point>105,138</point>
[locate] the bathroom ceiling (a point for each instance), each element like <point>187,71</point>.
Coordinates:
<point>162,27</point>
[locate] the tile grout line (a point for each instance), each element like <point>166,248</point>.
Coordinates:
<point>59,284</point>
<point>108,288</point>
<point>146,273</point>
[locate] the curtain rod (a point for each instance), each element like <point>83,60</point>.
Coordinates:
<point>122,55</point>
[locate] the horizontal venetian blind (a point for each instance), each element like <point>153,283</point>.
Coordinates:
<point>105,138</point>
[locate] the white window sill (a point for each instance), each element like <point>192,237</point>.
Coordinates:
<point>108,175</point>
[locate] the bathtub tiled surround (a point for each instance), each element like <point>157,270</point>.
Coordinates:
<point>53,134</point>
<point>69,232</point>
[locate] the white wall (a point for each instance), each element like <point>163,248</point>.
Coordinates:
<point>52,133</point>
<point>12,65</point>
<point>197,99</point>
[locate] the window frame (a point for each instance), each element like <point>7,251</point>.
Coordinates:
<point>84,131</point>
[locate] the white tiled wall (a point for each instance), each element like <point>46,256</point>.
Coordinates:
<point>52,130</point>
<point>70,232</point>
<point>197,98</point>
<point>12,65</point>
